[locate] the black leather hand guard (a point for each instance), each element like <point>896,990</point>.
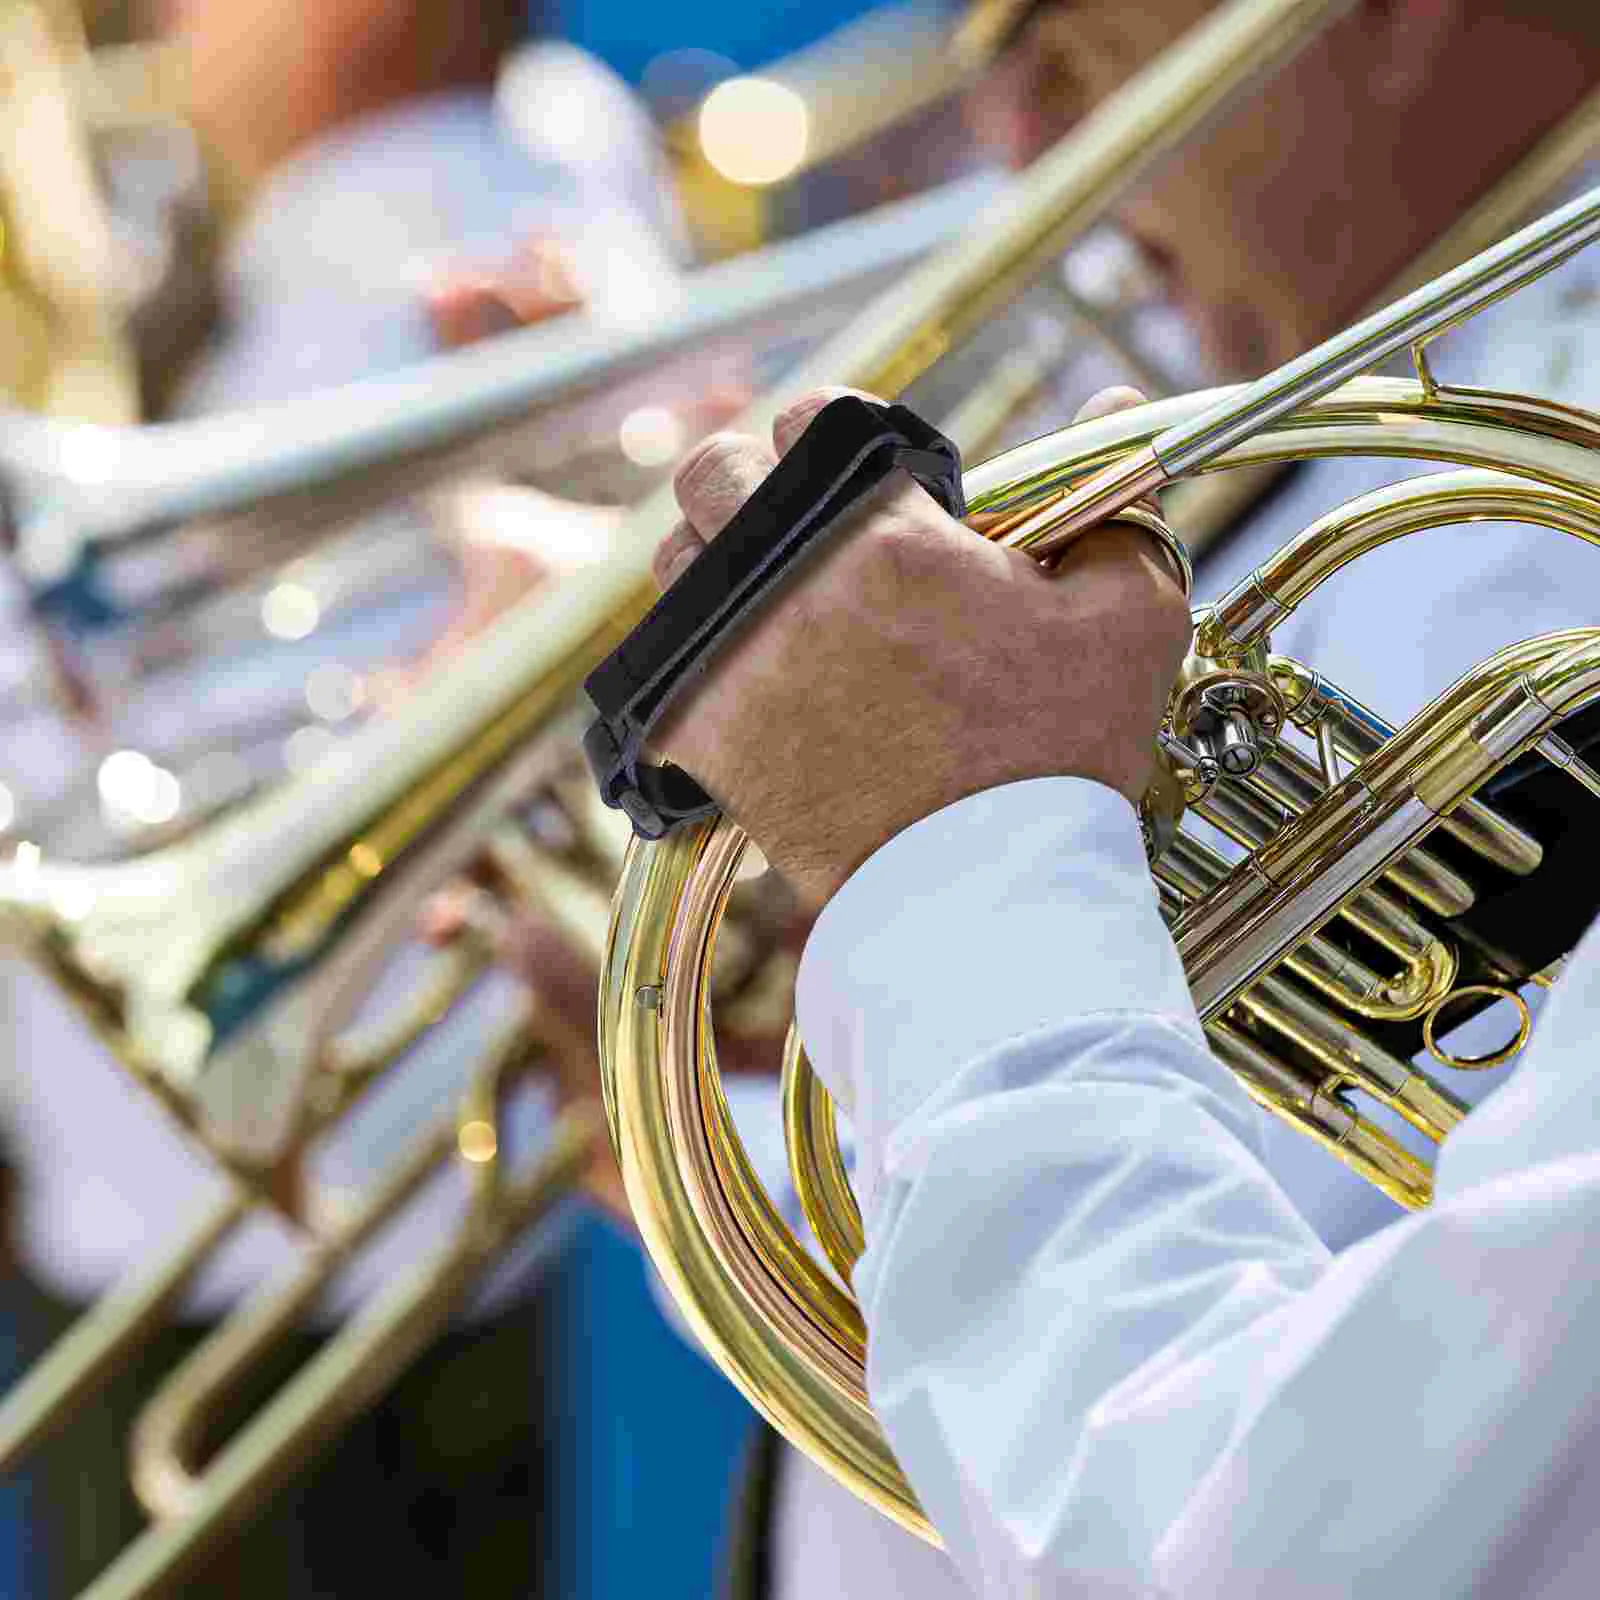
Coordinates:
<point>851,446</point>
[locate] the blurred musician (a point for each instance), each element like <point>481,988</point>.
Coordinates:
<point>390,203</point>
<point>382,176</point>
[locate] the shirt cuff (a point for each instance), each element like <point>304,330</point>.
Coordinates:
<point>1012,910</point>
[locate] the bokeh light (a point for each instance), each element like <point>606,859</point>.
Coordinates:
<point>651,436</point>
<point>290,611</point>
<point>476,1141</point>
<point>754,130</point>
<point>134,790</point>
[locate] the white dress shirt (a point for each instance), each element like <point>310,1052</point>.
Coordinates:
<point>1111,1355</point>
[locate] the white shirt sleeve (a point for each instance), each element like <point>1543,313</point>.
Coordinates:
<point>1110,1355</point>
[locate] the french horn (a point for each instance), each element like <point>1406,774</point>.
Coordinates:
<point>1388,876</point>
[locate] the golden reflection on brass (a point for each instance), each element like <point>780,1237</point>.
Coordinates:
<point>1494,1058</point>
<point>476,1140</point>
<point>820,1181</point>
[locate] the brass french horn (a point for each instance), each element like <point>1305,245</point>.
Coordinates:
<point>1340,814</point>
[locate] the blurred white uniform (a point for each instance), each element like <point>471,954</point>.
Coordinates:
<point>323,285</point>
<point>1393,629</point>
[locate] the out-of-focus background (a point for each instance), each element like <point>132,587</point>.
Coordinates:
<point>209,206</point>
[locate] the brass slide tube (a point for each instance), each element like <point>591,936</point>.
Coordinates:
<point>90,1352</point>
<point>345,1378</point>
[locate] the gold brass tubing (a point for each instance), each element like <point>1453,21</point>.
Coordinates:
<point>1493,1058</point>
<point>1552,443</point>
<point>1246,817</point>
<point>1360,1145</point>
<point>820,1181</point>
<point>1312,1103</point>
<point>1190,866</point>
<point>1354,831</point>
<point>1286,777</point>
<point>345,1377</point>
<point>1359,732</point>
<point>1429,965</point>
<point>750,1320</point>
<point>64,1379</point>
<point>1284,580</point>
<point>1327,754</point>
<point>1346,1053</point>
<point>170,1428</point>
<point>1193,868</point>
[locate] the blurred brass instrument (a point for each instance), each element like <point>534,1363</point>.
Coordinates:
<point>1351,828</point>
<point>218,967</point>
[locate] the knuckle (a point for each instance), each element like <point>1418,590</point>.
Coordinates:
<point>669,560</point>
<point>712,455</point>
<point>896,553</point>
<point>796,417</point>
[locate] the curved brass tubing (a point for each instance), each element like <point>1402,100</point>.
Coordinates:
<point>820,1181</point>
<point>195,1507</point>
<point>68,1375</point>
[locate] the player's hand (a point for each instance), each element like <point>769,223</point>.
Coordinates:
<point>914,663</point>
